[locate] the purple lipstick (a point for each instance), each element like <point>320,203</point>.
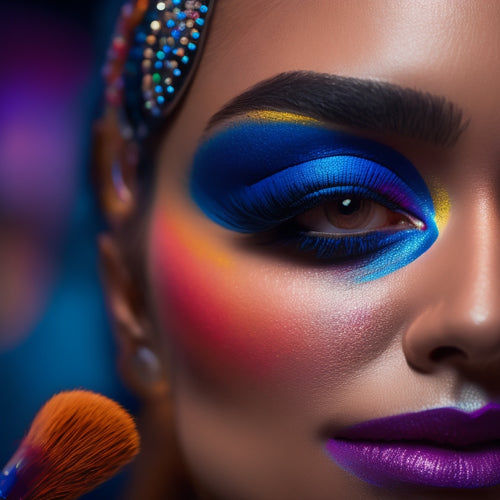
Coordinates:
<point>443,448</point>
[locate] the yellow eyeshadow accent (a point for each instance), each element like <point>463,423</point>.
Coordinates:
<point>281,116</point>
<point>442,205</point>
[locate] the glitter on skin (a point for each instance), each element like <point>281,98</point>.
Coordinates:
<point>280,116</point>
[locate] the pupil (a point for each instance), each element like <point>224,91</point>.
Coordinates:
<point>349,206</point>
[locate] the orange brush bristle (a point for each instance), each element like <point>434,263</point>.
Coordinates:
<point>78,440</point>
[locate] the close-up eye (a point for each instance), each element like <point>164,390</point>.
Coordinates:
<point>353,227</point>
<point>354,214</point>
<point>320,193</point>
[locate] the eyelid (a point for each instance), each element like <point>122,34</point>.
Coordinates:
<point>292,191</point>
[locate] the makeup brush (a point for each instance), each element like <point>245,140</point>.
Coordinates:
<point>78,440</point>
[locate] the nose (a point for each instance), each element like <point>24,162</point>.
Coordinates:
<point>460,322</point>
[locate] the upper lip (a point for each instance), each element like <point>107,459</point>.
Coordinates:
<point>440,426</point>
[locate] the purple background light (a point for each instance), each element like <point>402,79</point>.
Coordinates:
<point>54,331</point>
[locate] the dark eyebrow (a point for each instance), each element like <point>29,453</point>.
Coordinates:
<point>358,103</point>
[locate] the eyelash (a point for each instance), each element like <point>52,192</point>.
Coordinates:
<point>335,247</point>
<point>286,194</point>
<point>274,203</point>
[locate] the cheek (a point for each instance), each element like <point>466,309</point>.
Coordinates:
<point>199,296</point>
<point>256,318</point>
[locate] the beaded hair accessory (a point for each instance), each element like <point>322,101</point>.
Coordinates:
<point>152,58</point>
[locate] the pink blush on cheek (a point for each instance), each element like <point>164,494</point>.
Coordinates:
<point>223,312</point>
<point>212,321</point>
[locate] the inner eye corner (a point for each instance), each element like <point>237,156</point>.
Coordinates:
<point>419,224</point>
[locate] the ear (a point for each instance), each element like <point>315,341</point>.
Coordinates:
<point>139,362</point>
<point>115,162</point>
<point>115,167</point>
<point>142,371</point>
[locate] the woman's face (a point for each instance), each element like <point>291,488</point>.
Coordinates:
<point>286,324</point>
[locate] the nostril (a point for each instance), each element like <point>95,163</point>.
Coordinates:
<point>444,352</point>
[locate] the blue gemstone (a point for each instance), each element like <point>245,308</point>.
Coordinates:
<point>185,59</point>
<point>177,72</point>
<point>191,46</point>
<point>166,49</point>
<point>170,89</point>
<point>170,23</point>
<point>203,9</point>
<point>196,35</point>
<point>176,2</point>
<point>158,89</point>
<point>160,55</point>
<point>181,15</point>
<point>160,99</point>
<point>200,21</point>
<point>158,65</point>
<point>176,34</point>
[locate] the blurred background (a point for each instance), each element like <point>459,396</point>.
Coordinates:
<point>54,329</point>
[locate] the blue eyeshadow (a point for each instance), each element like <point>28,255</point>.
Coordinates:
<point>255,176</point>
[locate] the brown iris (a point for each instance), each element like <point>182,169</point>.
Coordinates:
<point>350,215</point>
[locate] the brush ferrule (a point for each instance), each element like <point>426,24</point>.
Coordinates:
<point>21,472</point>
<point>7,481</point>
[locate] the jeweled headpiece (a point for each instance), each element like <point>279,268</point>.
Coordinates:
<point>152,59</point>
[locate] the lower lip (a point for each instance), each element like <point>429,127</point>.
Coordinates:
<point>399,464</point>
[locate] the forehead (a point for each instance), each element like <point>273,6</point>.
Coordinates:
<point>446,47</point>
<point>449,48</point>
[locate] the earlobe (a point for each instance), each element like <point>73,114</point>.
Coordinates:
<point>138,362</point>
<point>148,372</point>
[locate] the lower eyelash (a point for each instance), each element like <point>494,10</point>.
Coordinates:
<point>335,248</point>
<point>338,248</point>
<point>367,256</point>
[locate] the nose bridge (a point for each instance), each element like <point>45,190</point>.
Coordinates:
<point>475,293</point>
<point>461,318</point>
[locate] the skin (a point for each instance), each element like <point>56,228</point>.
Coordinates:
<point>264,351</point>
